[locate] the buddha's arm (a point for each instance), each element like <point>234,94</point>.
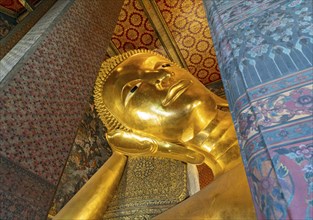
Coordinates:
<point>92,199</point>
<point>135,144</point>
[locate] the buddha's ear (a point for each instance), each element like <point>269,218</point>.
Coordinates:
<point>218,100</point>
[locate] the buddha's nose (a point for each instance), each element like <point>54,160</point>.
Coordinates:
<point>164,80</point>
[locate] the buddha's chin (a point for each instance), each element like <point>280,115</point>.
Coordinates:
<point>184,131</point>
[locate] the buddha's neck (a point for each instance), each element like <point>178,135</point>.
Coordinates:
<point>218,142</point>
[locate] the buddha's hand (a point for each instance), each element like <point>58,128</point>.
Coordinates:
<point>130,143</point>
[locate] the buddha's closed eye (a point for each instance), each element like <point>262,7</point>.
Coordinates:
<point>129,90</point>
<point>134,89</point>
<point>166,65</point>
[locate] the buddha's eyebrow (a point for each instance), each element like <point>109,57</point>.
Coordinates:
<point>161,64</point>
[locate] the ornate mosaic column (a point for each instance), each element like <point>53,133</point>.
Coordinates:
<point>265,53</point>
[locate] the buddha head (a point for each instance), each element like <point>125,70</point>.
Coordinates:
<point>142,91</point>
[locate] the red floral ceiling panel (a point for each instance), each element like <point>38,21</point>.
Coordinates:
<point>188,24</point>
<point>133,29</point>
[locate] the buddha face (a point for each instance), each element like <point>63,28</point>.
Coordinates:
<point>150,95</point>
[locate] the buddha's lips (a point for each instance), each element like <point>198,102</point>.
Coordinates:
<point>175,91</point>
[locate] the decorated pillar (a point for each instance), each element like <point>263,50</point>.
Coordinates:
<point>265,54</point>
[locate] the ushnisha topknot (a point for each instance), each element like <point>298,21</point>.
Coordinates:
<point>105,71</point>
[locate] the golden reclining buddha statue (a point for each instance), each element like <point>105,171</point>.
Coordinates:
<point>153,107</point>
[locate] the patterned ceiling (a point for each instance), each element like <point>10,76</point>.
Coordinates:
<point>177,29</point>
<point>187,22</point>
<point>187,27</point>
<point>133,29</point>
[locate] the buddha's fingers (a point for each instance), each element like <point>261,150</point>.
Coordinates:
<point>132,144</point>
